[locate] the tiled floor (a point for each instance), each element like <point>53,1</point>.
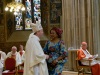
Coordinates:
<point>67,72</point>
<point>71,73</point>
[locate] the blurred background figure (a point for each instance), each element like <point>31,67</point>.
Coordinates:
<point>2,58</point>
<point>3,54</point>
<point>21,53</point>
<point>14,54</point>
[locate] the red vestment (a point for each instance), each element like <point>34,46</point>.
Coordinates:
<point>95,68</point>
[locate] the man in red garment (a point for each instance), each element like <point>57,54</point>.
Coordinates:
<point>84,55</point>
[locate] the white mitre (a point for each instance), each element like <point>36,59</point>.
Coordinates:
<point>36,27</point>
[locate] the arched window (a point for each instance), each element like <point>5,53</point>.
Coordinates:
<point>32,14</point>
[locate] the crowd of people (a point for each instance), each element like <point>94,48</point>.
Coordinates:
<point>14,53</point>
<point>49,60</point>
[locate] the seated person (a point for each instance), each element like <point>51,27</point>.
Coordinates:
<point>84,55</point>
<point>14,54</point>
<point>21,53</point>
<point>3,54</point>
<point>1,63</point>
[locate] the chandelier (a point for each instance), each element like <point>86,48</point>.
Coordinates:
<point>15,7</point>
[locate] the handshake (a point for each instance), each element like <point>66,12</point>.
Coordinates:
<point>47,56</point>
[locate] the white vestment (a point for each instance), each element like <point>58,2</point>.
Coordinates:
<point>18,59</point>
<point>3,57</point>
<point>84,62</point>
<point>22,56</point>
<point>1,66</point>
<point>35,63</point>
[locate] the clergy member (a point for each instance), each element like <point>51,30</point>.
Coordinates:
<point>3,54</point>
<point>83,55</point>
<point>35,63</point>
<point>21,53</point>
<point>14,54</point>
<point>2,58</point>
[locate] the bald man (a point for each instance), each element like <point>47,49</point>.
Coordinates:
<point>14,54</point>
<point>83,55</point>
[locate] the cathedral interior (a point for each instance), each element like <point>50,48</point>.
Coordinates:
<point>79,19</point>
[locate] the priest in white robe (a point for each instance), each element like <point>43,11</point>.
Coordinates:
<point>35,63</point>
<point>1,61</point>
<point>21,53</point>
<point>14,54</point>
<point>3,54</point>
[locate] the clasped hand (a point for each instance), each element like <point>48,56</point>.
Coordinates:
<point>47,56</point>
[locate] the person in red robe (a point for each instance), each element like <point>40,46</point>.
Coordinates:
<point>83,55</point>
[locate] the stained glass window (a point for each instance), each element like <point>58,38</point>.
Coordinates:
<point>33,14</point>
<point>19,21</point>
<point>37,11</point>
<point>28,18</point>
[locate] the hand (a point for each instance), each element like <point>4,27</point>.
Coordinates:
<point>47,56</point>
<point>90,57</point>
<point>54,62</point>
